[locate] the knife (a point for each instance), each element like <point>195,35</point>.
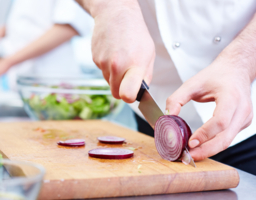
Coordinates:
<point>151,111</point>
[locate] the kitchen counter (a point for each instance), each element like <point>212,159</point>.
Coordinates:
<point>245,190</point>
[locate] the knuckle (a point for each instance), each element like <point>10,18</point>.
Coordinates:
<point>225,144</point>
<point>115,65</point>
<point>222,123</point>
<point>103,63</point>
<point>95,60</point>
<point>248,108</point>
<point>203,136</point>
<point>170,101</point>
<point>250,118</point>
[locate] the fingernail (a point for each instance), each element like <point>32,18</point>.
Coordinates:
<point>166,112</point>
<point>193,143</point>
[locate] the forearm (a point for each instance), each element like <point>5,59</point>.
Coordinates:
<point>2,31</point>
<point>95,7</point>
<point>242,50</point>
<point>54,37</point>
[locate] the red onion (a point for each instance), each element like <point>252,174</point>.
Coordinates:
<point>73,142</point>
<point>111,139</point>
<point>110,153</point>
<point>171,136</point>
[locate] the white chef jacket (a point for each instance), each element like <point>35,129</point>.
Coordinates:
<point>30,19</point>
<point>188,36</point>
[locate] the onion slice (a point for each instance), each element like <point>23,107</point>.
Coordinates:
<point>111,139</point>
<point>171,137</point>
<point>73,142</point>
<point>111,153</point>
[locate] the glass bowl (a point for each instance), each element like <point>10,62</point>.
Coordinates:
<point>20,180</point>
<point>67,97</point>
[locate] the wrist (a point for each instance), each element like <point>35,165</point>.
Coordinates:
<point>96,7</point>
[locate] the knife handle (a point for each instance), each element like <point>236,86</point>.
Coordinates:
<point>143,87</point>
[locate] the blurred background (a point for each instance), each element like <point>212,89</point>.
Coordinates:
<point>46,67</point>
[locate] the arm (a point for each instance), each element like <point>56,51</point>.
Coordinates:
<point>54,37</point>
<point>2,32</point>
<point>226,81</point>
<point>121,45</point>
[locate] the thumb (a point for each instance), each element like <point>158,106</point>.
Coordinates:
<point>178,99</point>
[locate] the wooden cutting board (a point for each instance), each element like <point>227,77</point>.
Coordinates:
<point>71,174</point>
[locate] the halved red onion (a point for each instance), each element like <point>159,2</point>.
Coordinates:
<point>111,153</point>
<point>73,142</point>
<point>111,139</point>
<point>171,136</point>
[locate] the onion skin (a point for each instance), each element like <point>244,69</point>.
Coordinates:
<point>110,153</point>
<point>111,139</point>
<point>185,127</point>
<point>72,143</point>
<point>171,136</point>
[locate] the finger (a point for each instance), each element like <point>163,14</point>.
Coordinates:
<point>130,84</point>
<point>223,114</point>
<point>211,147</point>
<point>179,98</point>
<point>115,78</point>
<point>222,140</point>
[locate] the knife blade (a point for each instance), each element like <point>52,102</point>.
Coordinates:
<point>148,106</point>
<point>151,111</point>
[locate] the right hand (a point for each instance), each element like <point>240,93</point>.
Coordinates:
<point>123,48</point>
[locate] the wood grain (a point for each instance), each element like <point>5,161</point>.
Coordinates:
<point>71,174</point>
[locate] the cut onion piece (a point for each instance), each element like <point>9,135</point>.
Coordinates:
<point>171,137</point>
<point>111,139</point>
<point>73,142</point>
<point>111,153</point>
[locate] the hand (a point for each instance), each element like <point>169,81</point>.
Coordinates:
<point>123,48</point>
<point>4,65</point>
<point>227,82</point>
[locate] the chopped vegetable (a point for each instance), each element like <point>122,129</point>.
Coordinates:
<point>132,148</point>
<point>111,139</point>
<point>111,153</point>
<point>171,137</point>
<point>71,106</point>
<point>73,142</point>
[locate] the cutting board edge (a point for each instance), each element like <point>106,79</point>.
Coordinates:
<point>168,185</point>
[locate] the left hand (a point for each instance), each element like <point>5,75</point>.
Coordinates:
<point>4,65</point>
<point>226,81</point>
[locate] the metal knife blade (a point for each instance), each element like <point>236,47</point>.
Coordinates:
<point>191,159</point>
<point>148,105</point>
<point>151,111</point>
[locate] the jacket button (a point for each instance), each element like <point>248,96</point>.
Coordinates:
<point>176,45</point>
<point>217,40</point>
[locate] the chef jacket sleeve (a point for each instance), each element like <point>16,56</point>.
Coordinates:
<point>69,12</point>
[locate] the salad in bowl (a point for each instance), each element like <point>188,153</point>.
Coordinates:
<point>63,98</point>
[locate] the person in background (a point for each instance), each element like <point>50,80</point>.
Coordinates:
<point>189,50</point>
<point>36,38</point>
